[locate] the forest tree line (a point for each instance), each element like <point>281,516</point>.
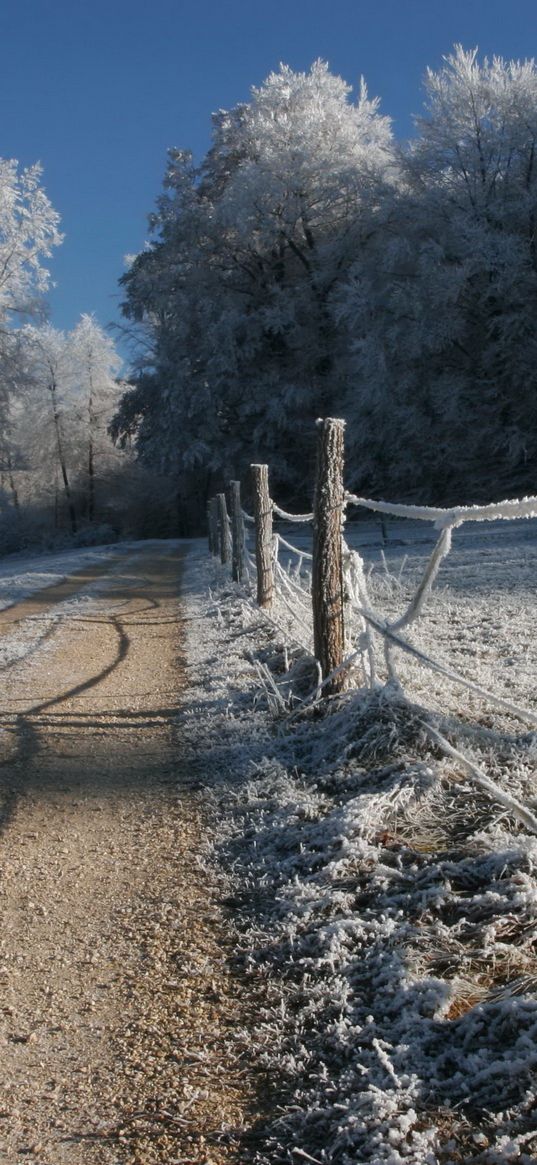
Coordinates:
<point>309,265</point>
<point>62,479</point>
<point>312,265</point>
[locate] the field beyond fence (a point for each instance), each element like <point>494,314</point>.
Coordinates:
<point>320,596</point>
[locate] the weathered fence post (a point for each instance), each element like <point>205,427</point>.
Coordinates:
<point>327,569</point>
<point>237,531</point>
<point>263,535</point>
<point>223,523</point>
<point>213,527</point>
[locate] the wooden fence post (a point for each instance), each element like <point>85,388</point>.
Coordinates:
<point>263,535</point>
<point>327,568</point>
<point>237,531</point>
<point>223,523</point>
<point>213,527</point>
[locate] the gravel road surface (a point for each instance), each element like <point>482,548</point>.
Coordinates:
<point>120,1021</point>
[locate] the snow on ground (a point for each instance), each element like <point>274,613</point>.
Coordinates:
<point>22,576</point>
<point>388,901</point>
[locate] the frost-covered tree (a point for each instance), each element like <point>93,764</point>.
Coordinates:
<point>441,311</point>
<point>58,391</point>
<point>29,229</point>
<point>49,415</point>
<point>59,468</point>
<point>94,366</point>
<point>235,289</point>
<point>309,266</point>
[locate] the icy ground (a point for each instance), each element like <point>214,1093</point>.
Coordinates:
<point>24,576</point>
<point>389,901</point>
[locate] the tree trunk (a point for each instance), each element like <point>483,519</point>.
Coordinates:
<point>91,455</point>
<point>61,458</point>
<point>91,481</point>
<point>12,485</point>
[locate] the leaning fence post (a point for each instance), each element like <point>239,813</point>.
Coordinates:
<point>213,527</point>
<point>237,531</point>
<point>223,523</point>
<point>263,535</point>
<point>327,567</point>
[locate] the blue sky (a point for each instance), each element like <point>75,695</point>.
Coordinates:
<point>98,91</point>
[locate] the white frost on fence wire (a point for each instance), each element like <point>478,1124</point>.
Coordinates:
<point>456,516</point>
<point>293,594</point>
<point>512,508</point>
<point>249,563</point>
<point>359,601</point>
<point>290,624</point>
<point>416,605</point>
<point>248,518</point>
<point>294,591</point>
<point>514,807</point>
<point>291,517</point>
<point>356,599</point>
<point>302,555</point>
<point>397,640</point>
<point>292,608</point>
<point>289,602</point>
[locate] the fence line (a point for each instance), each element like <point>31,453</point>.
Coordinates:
<point>333,612</point>
<point>325,594</point>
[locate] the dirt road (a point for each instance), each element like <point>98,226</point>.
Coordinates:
<point>120,1024</point>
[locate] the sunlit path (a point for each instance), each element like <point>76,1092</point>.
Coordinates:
<point>117,1009</point>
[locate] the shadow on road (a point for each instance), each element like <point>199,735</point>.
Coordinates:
<point>88,712</point>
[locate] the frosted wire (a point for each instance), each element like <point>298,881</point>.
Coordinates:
<point>514,508</point>
<point>385,630</point>
<point>294,549</point>
<point>415,607</point>
<point>291,517</point>
<point>509,802</point>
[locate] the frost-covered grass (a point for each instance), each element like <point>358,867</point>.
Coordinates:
<point>387,901</point>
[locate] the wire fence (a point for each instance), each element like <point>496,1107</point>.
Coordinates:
<point>369,641</point>
<point>320,599</point>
